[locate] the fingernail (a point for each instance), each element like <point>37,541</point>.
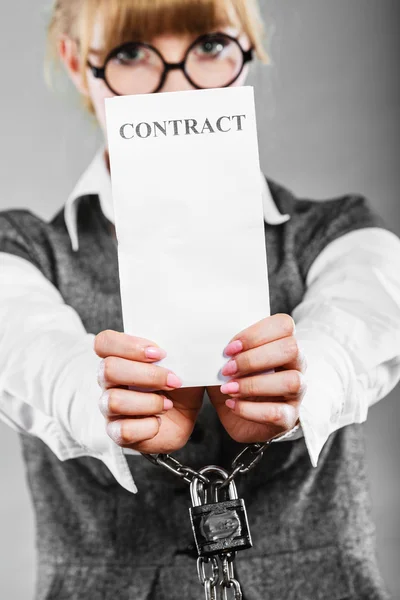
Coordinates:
<point>103,402</point>
<point>153,352</point>
<point>100,374</point>
<point>168,404</point>
<point>230,403</point>
<point>304,381</point>
<point>230,368</point>
<point>234,347</point>
<point>159,421</point>
<point>230,388</point>
<point>173,381</point>
<point>114,431</point>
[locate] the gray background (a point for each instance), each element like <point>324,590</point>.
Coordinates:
<point>328,116</point>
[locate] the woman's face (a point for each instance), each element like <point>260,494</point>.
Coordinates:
<point>171,46</point>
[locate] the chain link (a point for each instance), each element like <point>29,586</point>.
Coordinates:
<point>234,585</point>
<point>209,581</point>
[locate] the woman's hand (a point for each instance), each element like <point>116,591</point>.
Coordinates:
<point>141,402</point>
<point>265,403</point>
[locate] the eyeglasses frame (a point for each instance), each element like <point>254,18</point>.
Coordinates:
<point>100,72</point>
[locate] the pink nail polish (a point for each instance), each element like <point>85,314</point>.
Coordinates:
<point>100,374</point>
<point>168,404</point>
<point>173,381</point>
<point>230,403</point>
<point>103,403</point>
<point>153,352</point>
<point>230,368</point>
<point>114,431</point>
<point>230,388</point>
<point>233,348</point>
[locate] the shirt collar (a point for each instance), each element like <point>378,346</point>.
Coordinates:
<point>96,180</point>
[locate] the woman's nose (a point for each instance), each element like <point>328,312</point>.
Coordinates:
<point>176,81</point>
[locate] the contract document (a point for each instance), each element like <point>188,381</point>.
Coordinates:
<point>187,195</point>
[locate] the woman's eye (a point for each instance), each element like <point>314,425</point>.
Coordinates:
<point>130,55</point>
<point>211,48</point>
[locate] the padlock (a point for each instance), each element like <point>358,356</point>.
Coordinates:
<point>220,526</point>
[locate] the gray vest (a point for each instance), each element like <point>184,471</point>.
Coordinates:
<point>313,535</point>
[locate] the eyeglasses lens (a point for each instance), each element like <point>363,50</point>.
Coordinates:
<point>214,61</point>
<point>136,69</point>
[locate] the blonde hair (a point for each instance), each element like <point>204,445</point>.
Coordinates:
<point>125,20</point>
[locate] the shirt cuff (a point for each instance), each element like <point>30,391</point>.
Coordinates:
<point>329,383</point>
<point>82,418</point>
<point>292,434</point>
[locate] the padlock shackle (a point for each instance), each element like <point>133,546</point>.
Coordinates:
<point>194,493</point>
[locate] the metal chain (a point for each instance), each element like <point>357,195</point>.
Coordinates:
<point>241,464</point>
<point>217,576</point>
<point>177,468</point>
<point>228,577</point>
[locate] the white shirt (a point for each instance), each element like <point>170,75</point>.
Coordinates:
<point>348,326</point>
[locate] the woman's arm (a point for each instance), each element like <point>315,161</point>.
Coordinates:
<point>347,334</point>
<point>48,378</point>
<point>348,326</point>
<point>54,373</point>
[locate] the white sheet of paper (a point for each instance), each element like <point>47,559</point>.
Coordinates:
<point>189,223</point>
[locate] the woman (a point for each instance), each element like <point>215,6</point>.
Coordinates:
<point>69,371</point>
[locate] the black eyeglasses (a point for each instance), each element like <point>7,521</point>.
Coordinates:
<point>212,60</point>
